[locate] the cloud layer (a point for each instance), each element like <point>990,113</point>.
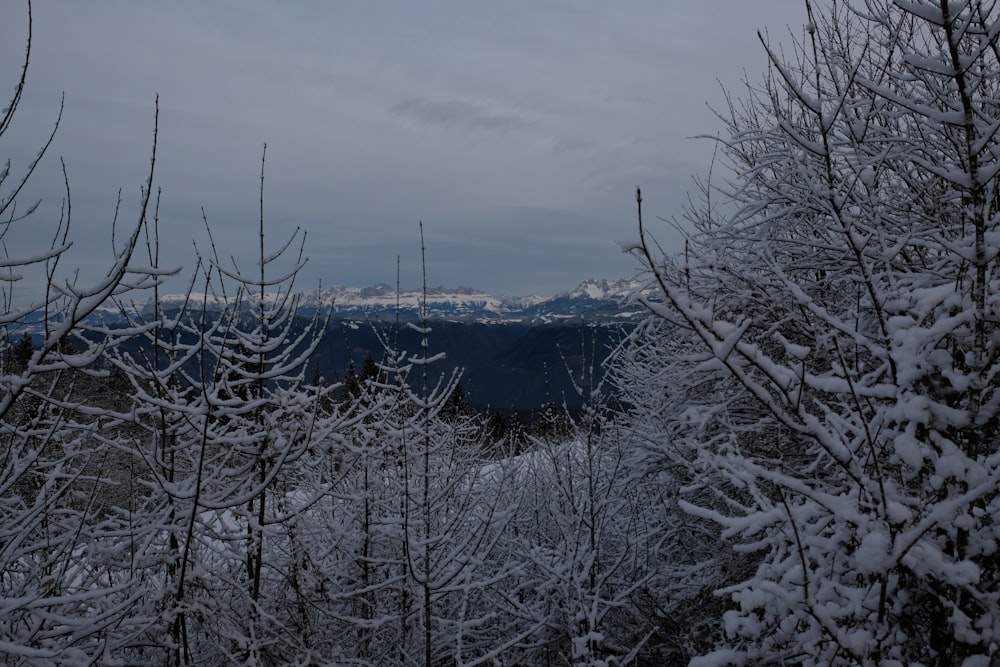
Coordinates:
<point>516,131</point>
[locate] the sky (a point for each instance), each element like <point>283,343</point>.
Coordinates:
<point>515,131</point>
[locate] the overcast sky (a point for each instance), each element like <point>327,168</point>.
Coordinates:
<point>516,131</point>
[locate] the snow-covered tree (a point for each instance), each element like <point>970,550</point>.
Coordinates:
<point>668,410</point>
<point>64,585</point>
<point>844,285</point>
<point>587,534</point>
<point>232,448</point>
<point>587,544</point>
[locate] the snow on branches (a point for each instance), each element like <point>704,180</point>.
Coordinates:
<point>851,301</point>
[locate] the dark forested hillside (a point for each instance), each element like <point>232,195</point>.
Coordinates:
<point>518,364</point>
<point>506,366</point>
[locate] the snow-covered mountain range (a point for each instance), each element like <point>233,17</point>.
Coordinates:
<point>599,301</point>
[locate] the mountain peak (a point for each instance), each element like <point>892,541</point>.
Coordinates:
<point>603,289</point>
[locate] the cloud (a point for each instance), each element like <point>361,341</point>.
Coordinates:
<point>456,114</point>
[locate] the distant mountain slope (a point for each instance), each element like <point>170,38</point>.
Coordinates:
<point>506,365</point>
<point>516,353</point>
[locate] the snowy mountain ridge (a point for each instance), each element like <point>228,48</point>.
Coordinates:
<point>592,300</point>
